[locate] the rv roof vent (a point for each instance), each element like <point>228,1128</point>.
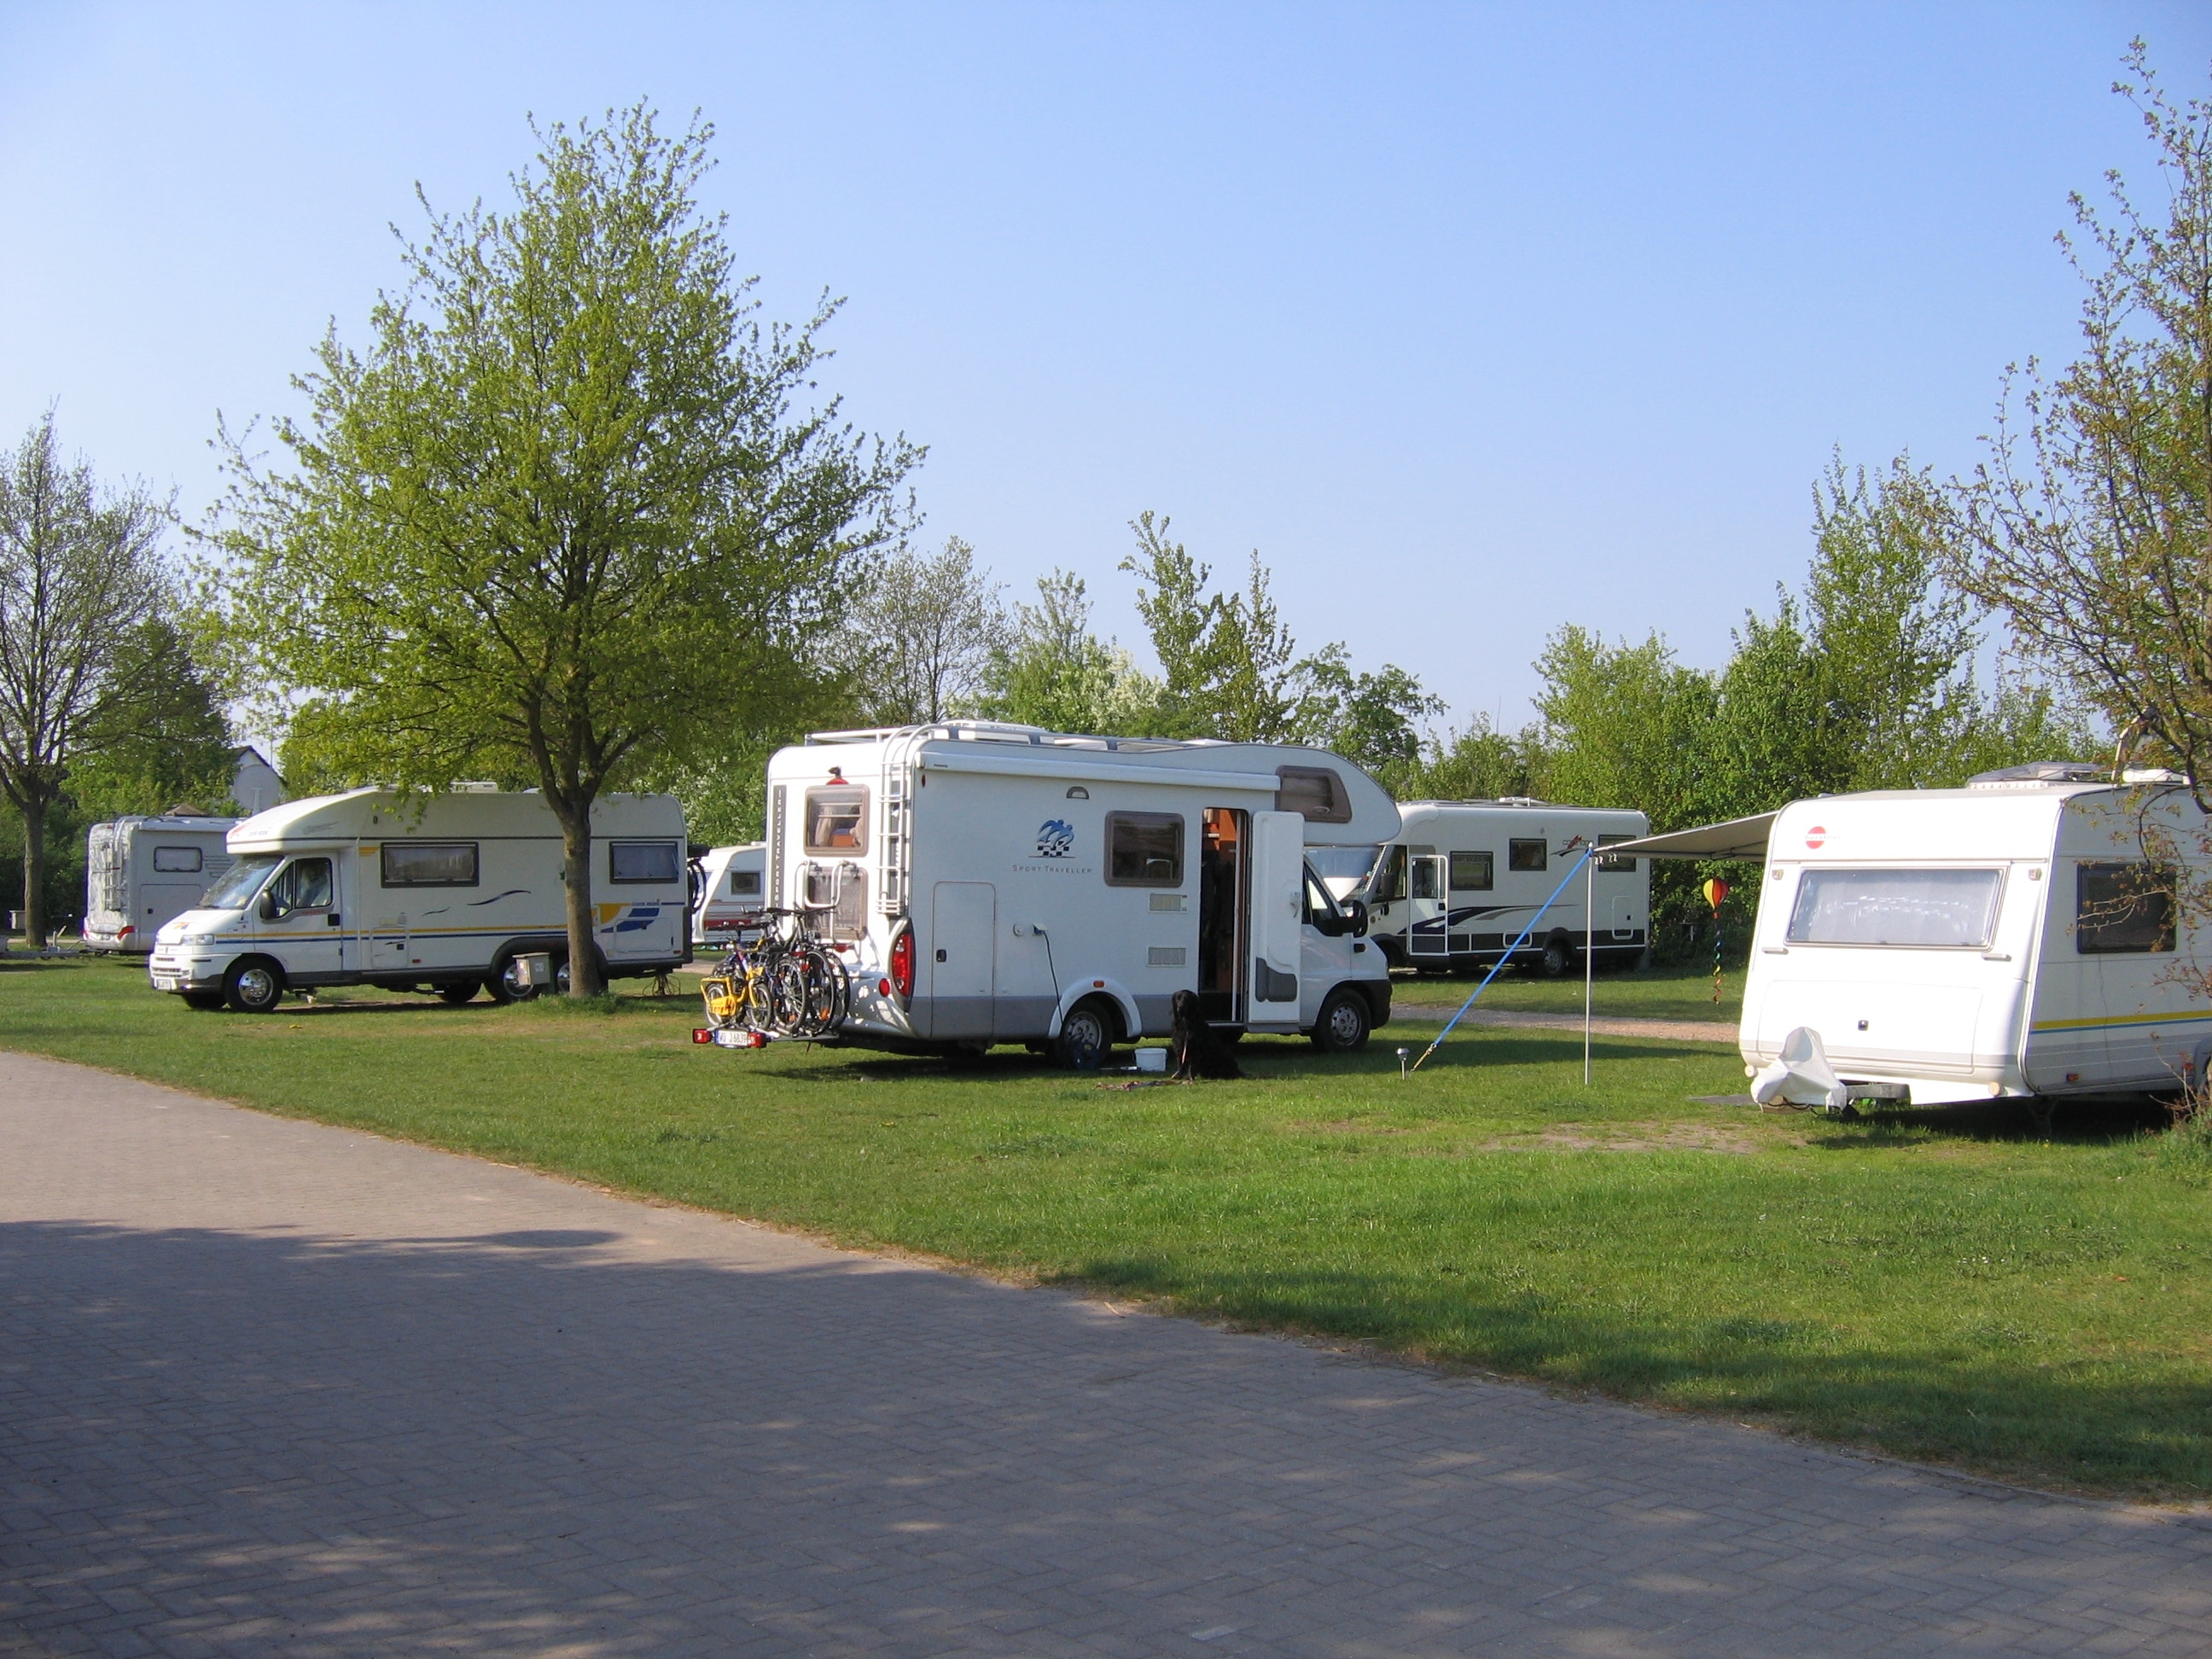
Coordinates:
<point>1519,801</point>
<point>185,809</point>
<point>2038,772</point>
<point>2153,774</point>
<point>473,787</point>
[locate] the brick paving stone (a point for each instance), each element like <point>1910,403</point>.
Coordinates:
<point>272,1387</point>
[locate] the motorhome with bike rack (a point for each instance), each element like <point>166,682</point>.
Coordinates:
<point>2018,937</point>
<point>985,883</point>
<point>439,892</point>
<point>1464,878</point>
<point>141,872</point>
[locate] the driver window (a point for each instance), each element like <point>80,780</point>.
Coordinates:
<point>305,885</point>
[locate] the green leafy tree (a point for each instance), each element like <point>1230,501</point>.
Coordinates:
<point>1371,718</point>
<point>169,745</point>
<point>1475,762</point>
<point>1049,670</point>
<point>79,574</point>
<point>560,523</point>
<point>920,636</point>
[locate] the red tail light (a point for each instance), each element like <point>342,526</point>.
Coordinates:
<point>902,964</point>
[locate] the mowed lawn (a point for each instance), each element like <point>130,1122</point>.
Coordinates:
<point>1943,1285</point>
<point>1677,992</point>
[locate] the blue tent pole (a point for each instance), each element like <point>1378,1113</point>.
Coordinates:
<point>1572,871</point>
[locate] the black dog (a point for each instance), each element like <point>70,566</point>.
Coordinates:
<point>1196,1051</point>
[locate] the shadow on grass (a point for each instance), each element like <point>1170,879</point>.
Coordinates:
<point>1991,1401</point>
<point>2089,1121</point>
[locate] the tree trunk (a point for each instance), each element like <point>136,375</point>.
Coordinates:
<point>584,980</point>
<point>34,872</point>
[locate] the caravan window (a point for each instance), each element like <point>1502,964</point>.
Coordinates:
<point>1528,855</point>
<point>428,864</point>
<point>1315,792</point>
<point>1144,849</point>
<point>837,818</point>
<point>2121,908</point>
<point>1389,883</point>
<point>1425,878</point>
<point>1940,908</point>
<point>177,860</point>
<point>1625,866</point>
<point>638,862</point>
<point>745,883</point>
<point>1471,872</point>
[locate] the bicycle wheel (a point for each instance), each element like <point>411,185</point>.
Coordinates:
<point>825,991</point>
<point>787,996</point>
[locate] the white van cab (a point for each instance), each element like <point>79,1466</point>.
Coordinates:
<point>436,892</point>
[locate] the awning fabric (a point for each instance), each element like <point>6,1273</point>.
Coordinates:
<point>1739,838</point>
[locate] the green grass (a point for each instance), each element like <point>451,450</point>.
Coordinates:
<point>1943,1285</point>
<point>1673,993</point>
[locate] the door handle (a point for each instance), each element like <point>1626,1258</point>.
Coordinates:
<point>940,956</point>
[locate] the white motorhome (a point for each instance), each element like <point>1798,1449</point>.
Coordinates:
<point>1465,878</point>
<point>733,889</point>
<point>141,872</point>
<point>2005,939</point>
<point>439,892</point>
<point>991,882</point>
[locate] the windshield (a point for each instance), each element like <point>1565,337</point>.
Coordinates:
<point>1343,870</point>
<point>240,883</point>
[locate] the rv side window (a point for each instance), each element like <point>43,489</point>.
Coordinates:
<point>177,860</point>
<point>1315,792</point>
<point>642,861</point>
<point>1528,855</point>
<point>837,818</point>
<point>2121,908</point>
<point>428,864</point>
<point>1144,849</point>
<point>745,883</point>
<point>1471,872</point>
<point>1389,884</point>
<point>1625,866</point>
<point>1425,879</point>
<point>1943,908</point>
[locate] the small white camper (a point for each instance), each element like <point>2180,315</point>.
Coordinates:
<point>2006,938</point>
<point>440,892</point>
<point>733,889</point>
<point>989,883</point>
<point>1464,878</point>
<point>141,872</point>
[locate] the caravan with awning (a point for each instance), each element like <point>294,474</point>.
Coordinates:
<point>2016,937</point>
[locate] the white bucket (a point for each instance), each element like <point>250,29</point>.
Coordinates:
<point>1151,1060</point>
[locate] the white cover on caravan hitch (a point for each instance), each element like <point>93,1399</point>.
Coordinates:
<point>1801,1076</point>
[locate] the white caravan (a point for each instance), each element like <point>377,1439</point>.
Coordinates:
<point>1466,876</point>
<point>440,892</point>
<point>990,883</point>
<point>141,872</point>
<point>733,888</point>
<point>1950,944</point>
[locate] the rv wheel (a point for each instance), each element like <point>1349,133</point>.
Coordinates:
<point>254,987</point>
<point>1343,1025</point>
<point>1558,958</point>
<point>1084,1035</point>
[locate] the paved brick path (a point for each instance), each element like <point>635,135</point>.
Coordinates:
<point>268,1387</point>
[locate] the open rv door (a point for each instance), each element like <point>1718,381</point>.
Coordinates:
<point>1278,864</point>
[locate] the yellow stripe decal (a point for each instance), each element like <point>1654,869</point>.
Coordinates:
<point>2125,1020</point>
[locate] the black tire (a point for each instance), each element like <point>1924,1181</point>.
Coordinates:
<point>1344,1024</point>
<point>1558,958</point>
<point>1086,1035</point>
<point>454,995</point>
<point>205,1002</point>
<point>255,985</point>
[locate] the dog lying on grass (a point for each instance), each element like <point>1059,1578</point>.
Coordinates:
<point>1193,1047</point>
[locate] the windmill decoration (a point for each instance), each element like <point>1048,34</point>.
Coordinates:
<point>1716,891</point>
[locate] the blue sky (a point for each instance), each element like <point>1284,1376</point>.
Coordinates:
<point>1472,320</point>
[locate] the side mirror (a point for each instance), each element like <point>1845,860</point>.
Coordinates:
<point>1358,910</point>
<point>267,909</point>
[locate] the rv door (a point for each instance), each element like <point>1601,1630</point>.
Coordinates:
<point>1279,865</point>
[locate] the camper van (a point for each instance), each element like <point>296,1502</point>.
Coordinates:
<point>141,872</point>
<point>731,890</point>
<point>1951,944</point>
<point>1465,878</point>
<point>988,883</point>
<point>436,892</point>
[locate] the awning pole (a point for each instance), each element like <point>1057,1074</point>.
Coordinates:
<point>1589,958</point>
<point>1501,962</point>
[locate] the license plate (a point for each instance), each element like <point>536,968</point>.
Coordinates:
<point>166,982</point>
